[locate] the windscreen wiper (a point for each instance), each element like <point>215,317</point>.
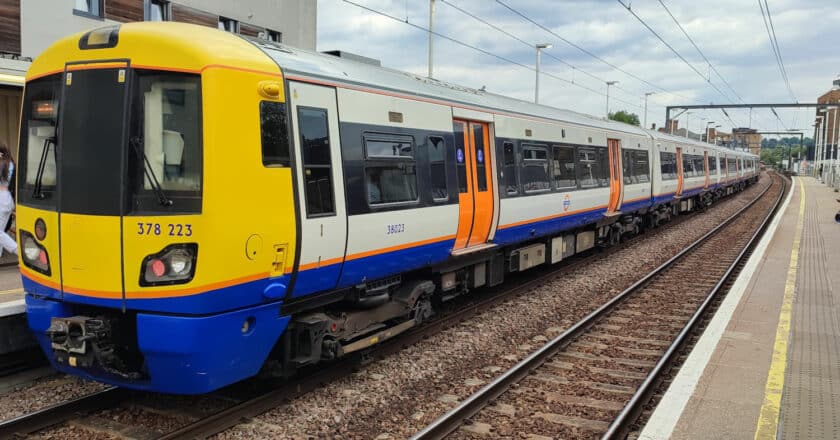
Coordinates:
<point>37,193</point>
<point>136,142</point>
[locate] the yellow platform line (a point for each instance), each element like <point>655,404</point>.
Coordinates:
<point>768,419</point>
<point>11,291</point>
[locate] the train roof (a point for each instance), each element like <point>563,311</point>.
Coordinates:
<point>330,68</point>
<point>294,61</point>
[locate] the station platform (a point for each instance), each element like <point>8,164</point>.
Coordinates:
<point>768,364</point>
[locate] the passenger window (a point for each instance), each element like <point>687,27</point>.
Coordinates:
<point>458,128</point>
<point>688,166</point>
<point>509,170</point>
<point>535,169</point>
<point>390,170</point>
<point>590,167</point>
<point>563,168</point>
<point>641,166</point>
<point>480,159</point>
<point>317,165</point>
<point>668,165</point>
<point>275,136</point>
<point>437,168</point>
<point>712,164</point>
<point>604,159</point>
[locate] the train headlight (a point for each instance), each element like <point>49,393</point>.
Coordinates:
<point>34,255</point>
<point>175,264</point>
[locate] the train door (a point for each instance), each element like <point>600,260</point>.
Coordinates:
<point>323,217</point>
<point>616,180</point>
<point>726,167</point>
<point>475,184</point>
<point>706,167</point>
<point>680,179</point>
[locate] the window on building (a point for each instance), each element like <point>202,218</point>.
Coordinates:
<point>274,36</point>
<point>437,168</point>
<point>317,165</point>
<point>668,165</point>
<point>89,7</point>
<point>593,167</point>
<point>228,25</point>
<point>509,169</point>
<point>563,168</point>
<point>390,169</point>
<point>157,10</point>
<point>534,169</point>
<point>275,136</point>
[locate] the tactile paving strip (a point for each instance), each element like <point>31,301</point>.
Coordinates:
<point>811,397</point>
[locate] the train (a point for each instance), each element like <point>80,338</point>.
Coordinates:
<point>196,207</point>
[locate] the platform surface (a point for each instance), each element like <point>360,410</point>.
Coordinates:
<point>11,292</point>
<point>773,371</point>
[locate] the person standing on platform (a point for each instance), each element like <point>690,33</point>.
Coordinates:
<point>7,203</point>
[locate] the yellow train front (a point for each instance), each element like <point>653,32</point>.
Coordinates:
<point>156,227</point>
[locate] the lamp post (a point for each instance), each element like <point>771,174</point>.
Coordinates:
<point>609,83</point>
<point>431,36</point>
<point>818,145</point>
<point>707,129</point>
<point>646,98</point>
<point>539,47</point>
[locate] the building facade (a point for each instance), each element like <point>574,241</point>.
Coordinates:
<point>747,138</point>
<point>827,128</point>
<point>27,27</point>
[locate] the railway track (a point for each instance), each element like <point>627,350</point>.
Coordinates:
<point>595,379</point>
<point>251,399</point>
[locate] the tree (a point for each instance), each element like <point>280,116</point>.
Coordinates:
<point>625,117</point>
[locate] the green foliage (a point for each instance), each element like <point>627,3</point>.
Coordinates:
<point>785,142</point>
<point>626,117</point>
<point>775,156</point>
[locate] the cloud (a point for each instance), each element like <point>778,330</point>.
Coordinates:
<point>730,33</point>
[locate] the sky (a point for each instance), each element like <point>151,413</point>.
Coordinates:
<point>731,34</point>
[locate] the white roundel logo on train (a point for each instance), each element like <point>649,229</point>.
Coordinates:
<point>567,202</point>
<point>460,155</point>
<point>480,156</point>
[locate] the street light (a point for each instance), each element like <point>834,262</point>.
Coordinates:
<point>431,36</point>
<point>609,83</point>
<point>537,84</point>
<point>707,129</point>
<point>646,97</point>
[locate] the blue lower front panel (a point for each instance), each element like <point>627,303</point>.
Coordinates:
<point>182,355</point>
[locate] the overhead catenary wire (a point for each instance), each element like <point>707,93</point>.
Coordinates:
<point>711,66</point>
<point>483,51</point>
<point>591,54</point>
<point>530,45</point>
<point>774,43</point>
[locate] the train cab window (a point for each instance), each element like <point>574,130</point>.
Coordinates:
<point>592,167</point>
<point>563,168</point>
<point>509,170</point>
<point>437,168</point>
<point>274,133</point>
<point>317,163</point>
<point>534,170</point>
<point>37,143</point>
<point>390,169</point>
<point>668,165</point>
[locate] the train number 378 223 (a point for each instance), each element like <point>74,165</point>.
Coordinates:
<point>173,230</point>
